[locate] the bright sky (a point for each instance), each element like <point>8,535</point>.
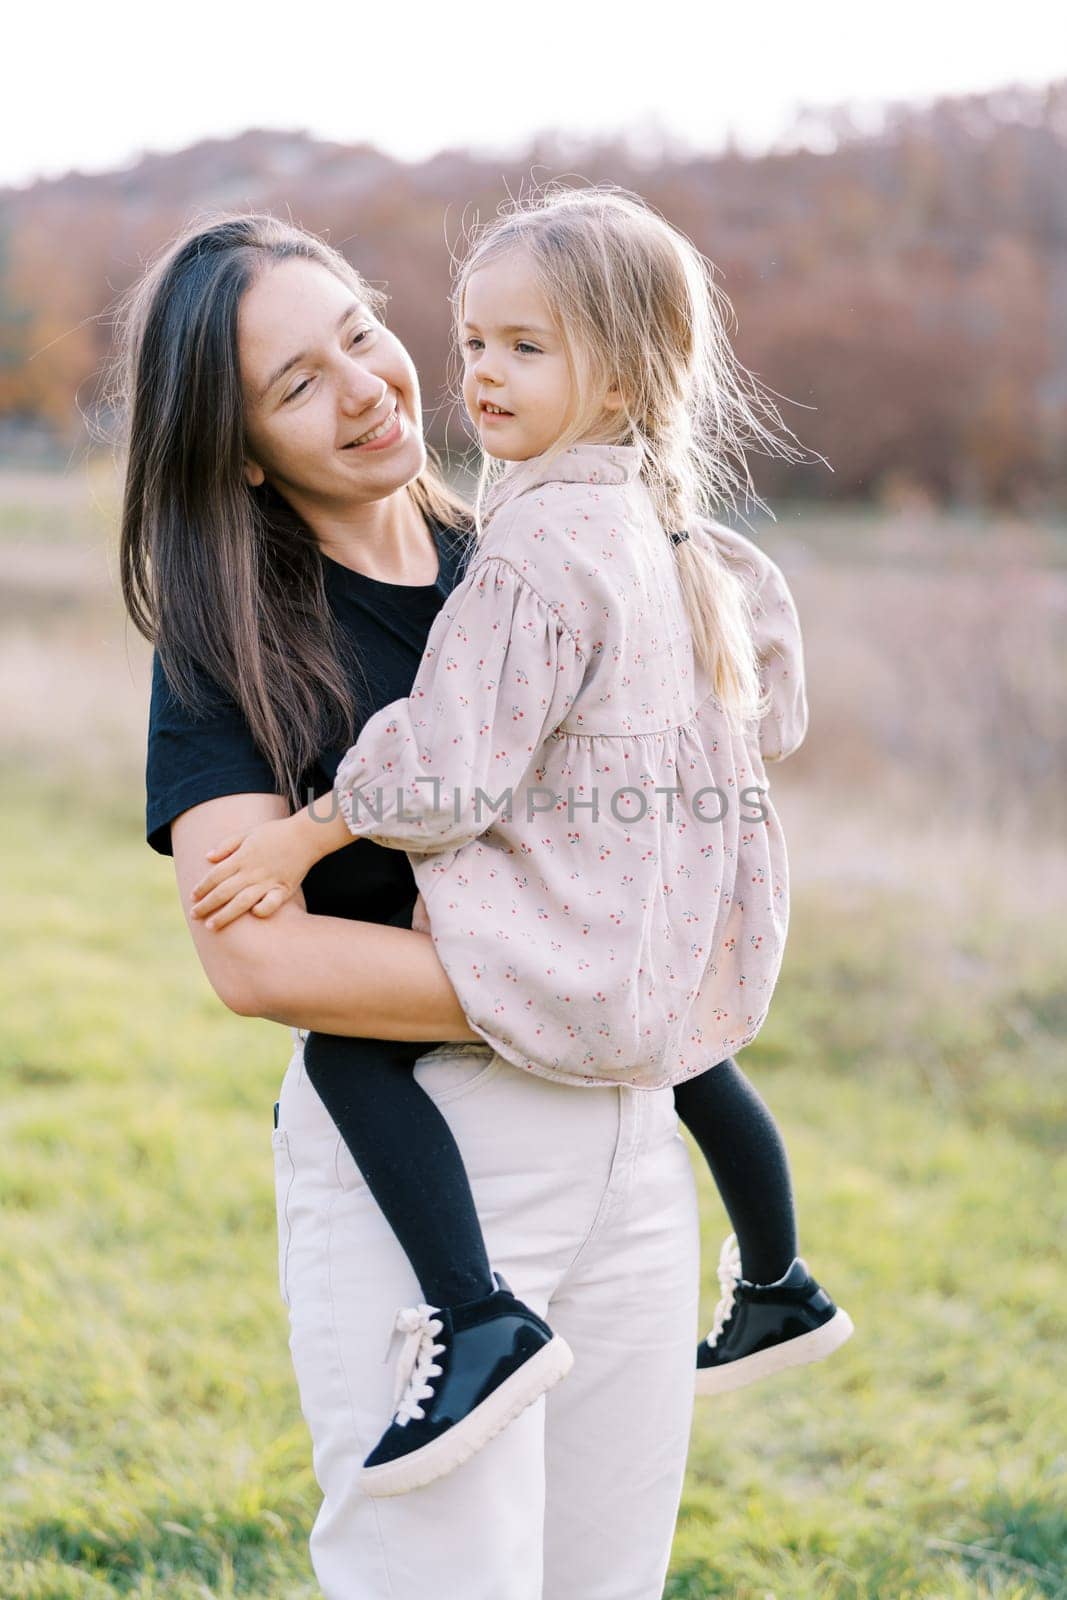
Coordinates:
<point>91,85</point>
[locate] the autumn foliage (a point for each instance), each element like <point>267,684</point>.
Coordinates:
<point>909,288</point>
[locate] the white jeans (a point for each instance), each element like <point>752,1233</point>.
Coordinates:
<point>589,1209</point>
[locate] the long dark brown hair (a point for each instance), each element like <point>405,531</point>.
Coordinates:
<point>226,580</point>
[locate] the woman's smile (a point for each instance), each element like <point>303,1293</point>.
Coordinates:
<point>385,433</point>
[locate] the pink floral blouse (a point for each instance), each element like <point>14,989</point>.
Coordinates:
<point>604,873</point>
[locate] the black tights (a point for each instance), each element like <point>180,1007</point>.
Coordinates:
<point>741,1143</point>
<point>404,1148</point>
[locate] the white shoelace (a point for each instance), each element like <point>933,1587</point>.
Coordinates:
<point>729,1271</point>
<point>416,1364</point>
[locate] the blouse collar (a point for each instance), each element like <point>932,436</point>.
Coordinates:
<point>582,463</point>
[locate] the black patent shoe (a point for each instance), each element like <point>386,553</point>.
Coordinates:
<point>465,1372</point>
<point>760,1329</point>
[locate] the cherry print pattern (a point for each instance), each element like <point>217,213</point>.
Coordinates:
<point>591,947</point>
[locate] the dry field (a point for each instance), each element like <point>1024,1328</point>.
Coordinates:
<point>152,1444</point>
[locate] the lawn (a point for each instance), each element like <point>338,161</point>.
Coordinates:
<point>153,1444</point>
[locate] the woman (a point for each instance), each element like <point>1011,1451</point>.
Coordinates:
<point>286,547</point>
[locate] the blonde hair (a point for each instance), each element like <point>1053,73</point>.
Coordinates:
<point>639,313</point>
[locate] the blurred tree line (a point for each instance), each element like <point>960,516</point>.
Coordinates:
<point>908,286</point>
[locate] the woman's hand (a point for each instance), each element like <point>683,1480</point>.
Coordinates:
<point>257,871</point>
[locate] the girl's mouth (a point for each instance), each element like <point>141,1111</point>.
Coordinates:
<point>494,413</point>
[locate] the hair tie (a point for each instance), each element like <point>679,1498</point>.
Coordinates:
<point>680,538</point>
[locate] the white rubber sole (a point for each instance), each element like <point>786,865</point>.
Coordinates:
<point>813,1346</point>
<point>450,1450</point>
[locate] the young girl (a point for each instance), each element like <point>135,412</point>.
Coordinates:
<point>578,775</point>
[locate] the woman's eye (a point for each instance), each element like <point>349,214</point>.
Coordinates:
<point>359,337</point>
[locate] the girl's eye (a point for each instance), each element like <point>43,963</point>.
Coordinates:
<point>472,344</point>
<point>526,349</point>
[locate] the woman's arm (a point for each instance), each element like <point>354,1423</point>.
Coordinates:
<point>326,973</point>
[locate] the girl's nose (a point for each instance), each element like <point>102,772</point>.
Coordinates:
<point>485,369</point>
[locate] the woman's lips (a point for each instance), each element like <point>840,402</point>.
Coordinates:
<point>384,440</point>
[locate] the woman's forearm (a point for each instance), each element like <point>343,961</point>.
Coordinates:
<point>326,973</point>
<point>358,979</point>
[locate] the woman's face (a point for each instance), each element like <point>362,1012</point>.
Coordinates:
<point>332,410</point>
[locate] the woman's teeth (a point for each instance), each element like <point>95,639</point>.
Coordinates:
<point>376,433</point>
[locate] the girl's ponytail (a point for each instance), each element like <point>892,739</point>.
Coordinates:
<point>641,315</point>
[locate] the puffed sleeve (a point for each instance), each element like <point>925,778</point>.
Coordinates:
<point>778,643</point>
<point>499,674</point>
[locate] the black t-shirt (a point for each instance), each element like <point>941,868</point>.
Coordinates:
<point>193,758</point>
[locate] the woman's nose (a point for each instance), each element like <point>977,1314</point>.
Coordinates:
<point>361,391</point>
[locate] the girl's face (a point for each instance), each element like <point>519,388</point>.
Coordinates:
<point>332,409</point>
<point>517,383</point>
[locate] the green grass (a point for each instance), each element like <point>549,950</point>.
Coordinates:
<point>152,1443</point>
